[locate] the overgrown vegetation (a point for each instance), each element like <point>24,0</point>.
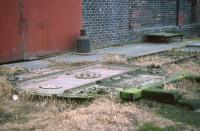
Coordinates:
<point>183,120</point>
<point>189,89</point>
<point>196,39</point>
<point>11,71</point>
<point>114,59</point>
<point>104,113</point>
<point>6,89</point>
<point>162,58</point>
<point>63,65</point>
<point>188,66</point>
<point>6,74</point>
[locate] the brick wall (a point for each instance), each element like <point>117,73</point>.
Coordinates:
<point>110,22</point>
<point>189,17</point>
<point>106,21</point>
<point>188,12</point>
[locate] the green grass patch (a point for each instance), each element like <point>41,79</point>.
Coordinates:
<point>196,39</point>
<point>150,127</point>
<point>179,115</point>
<point>192,104</point>
<point>153,127</point>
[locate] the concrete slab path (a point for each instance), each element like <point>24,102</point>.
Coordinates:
<point>133,50</point>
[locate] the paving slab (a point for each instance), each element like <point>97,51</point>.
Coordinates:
<point>73,57</point>
<point>137,50</point>
<point>36,64</point>
<point>194,44</point>
<point>134,50</point>
<point>197,110</point>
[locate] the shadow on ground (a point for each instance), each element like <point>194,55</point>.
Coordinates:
<point>153,127</point>
<point>14,114</point>
<point>180,115</point>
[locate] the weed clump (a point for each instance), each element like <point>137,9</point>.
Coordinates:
<point>10,71</point>
<point>6,88</point>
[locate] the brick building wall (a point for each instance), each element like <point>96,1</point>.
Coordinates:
<point>188,12</point>
<point>110,22</point>
<point>189,17</point>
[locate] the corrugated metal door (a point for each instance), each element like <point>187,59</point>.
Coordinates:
<point>10,31</point>
<point>50,26</point>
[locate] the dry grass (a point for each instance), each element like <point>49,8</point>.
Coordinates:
<point>6,89</point>
<point>189,89</point>
<point>102,115</point>
<point>188,66</point>
<point>63,65</point>
<point>151,60</point>
<point>162,58</point>
<point>7,71</point>
<point>114,59</point>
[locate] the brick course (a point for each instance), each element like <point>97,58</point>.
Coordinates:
<point>110,22</point>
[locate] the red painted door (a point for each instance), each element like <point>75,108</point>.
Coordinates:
<point>50,26</point>
<point>10,31</point>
